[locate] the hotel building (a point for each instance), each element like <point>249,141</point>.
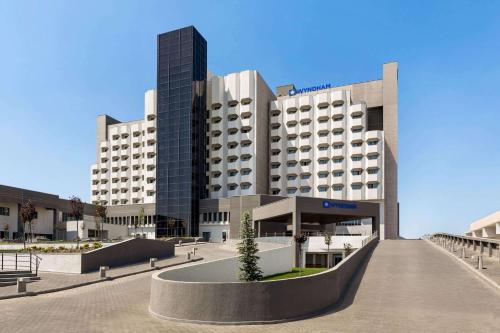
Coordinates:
<point>210,147</point>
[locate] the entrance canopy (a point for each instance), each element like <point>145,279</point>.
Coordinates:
<point>305,211</point>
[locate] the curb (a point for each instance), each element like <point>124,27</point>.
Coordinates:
<point>480,275</point>
<point>83,284</point>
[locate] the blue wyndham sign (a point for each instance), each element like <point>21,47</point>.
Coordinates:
<point>331,204</point>
<point>293,92</point>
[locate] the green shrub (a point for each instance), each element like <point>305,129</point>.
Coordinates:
<point>97,245</point>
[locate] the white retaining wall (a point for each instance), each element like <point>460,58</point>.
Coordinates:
<point>61,263</point>
<point>227,270</point>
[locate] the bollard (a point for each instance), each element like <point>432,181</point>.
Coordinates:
<point>102,271</point>
<point>194,250</point>
<point>463,253</point>
<point>21,285</point>
<point>152,262</point>
<point>180,243</point>
<point>189,256</point>
<point>480,262</point>
<point>196,241</point>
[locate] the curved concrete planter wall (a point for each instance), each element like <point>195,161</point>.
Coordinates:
<point>252,302</point>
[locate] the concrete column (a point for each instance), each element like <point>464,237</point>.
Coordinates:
<point>297,230</point>
<point>490,250</point>
<point>474,245</point>
<point>481,247</point>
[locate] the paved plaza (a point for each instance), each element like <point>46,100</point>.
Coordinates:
<point>407,286</point>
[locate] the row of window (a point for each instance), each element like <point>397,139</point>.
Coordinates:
<point>306,176</point>
<point>215,217</point>
<point>232,187</point>
<point>306,162</point>
<point>232,103</point>
<point>325,188</point>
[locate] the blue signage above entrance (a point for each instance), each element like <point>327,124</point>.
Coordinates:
<point>332,204</point>
<point>293,92</point>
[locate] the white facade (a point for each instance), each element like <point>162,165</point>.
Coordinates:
<point>125,172</point>
<point>237,134</point>
<point>320,147</point>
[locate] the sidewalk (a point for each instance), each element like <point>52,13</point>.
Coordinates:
<point>491,265</point>
<point>52,282</point>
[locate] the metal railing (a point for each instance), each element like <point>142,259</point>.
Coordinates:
<point>368,239</point>
<point>19,261</point>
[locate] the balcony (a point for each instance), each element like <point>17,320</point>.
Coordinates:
<point>233,137</point>
<point>377,163</point>
<point>151,125</point>
<point>338,152</point>
<point>356,150</point>
<point>249,150</point>
<point>358,122</point>
<point>374,177</point>
<point>356,164</point>
<point>372,149</point>
<point>151,174</point>
<point>306,182</point>
<point>305,142</point>
<point>216,181</point>
<point>218,126</point>
<point>217,167</point>
<point>338,110</point>
<point>323,140</point>
<point>219,140</point>
<point>219,153</point>
<point>356,136</point>
<point>323,126</point>
<point>323,153</point>
<point>305,155</point>
<point>276,119</point>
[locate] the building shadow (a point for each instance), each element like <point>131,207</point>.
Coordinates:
<point>347,297</point>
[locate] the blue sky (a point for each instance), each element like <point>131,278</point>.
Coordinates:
<point>62,63</point>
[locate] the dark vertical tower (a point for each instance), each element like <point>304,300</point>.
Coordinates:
<point>181,99</point>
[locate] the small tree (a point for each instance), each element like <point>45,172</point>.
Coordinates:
<point>135,223</point>
<point>347,249</point>
<point>248,249</point>
<point>328,242</point>
<point>299,240</point>
<point>102,213</point>
<point>77,212</point>
<point>141,220</point>
<point>28,213</point>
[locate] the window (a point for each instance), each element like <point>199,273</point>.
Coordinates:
<point>372,142</point>
<point>323,175</point>
<point>357,144</point>
<point>372,185</point>
<point>357,130</point>
<point>323,134</point>
<point>232,173</point>
<point>322,120</point>
<point>4,211</point>
<point>356,172</point>
<point>305,176</point>
<point>338,160</point>
<point>291,177</point>
<point>338,187</point>
<point>322,161</point>
<point>357,116</point>
<point>275,139</point>
<point>246,172</point>
<point>276,192</point>
<point>338,146</point>
<point>305,189</point>
<point>305,149</point>
<point>245,186</point>
<point>323,148</point>
<point>305,163</point>
<point>350,223</point>
<point>338,132</point>
<point>338,174</point>
<point>232,187</point>
<point>372,157</point>
<point>275,152</point>
<point>357,158</point>
<point>291,164</point>
<point>372,171</point>
<point>291,190</point>
<point>356,186</point>
<point>275,166</point>
<point>322,188</point>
